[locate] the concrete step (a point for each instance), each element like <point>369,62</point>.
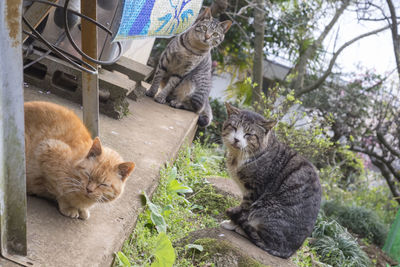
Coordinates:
<point>136,71</point>
<point>150,136</point>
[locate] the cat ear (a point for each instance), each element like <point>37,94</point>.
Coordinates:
<point>268,125</point>
<point>124,169</point>
<point>205,15</point>
<point>226,25</point>
<point>231,109</point>
<point>95,150</point>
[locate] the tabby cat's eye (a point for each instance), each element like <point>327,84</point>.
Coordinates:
<point>247,135</point>
<point>106,185</point>
<point>233,127</point>
<point>215,34</point>
<point>204,28</point>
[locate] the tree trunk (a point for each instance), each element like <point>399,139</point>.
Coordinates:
<point>388,177</point>
<point>395,34</point>
<point>259,31</point>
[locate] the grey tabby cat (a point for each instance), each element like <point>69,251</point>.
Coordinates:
<point>281,189</point>
<point>184,69</point>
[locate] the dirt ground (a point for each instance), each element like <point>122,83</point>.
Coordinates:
<point>377,256</point>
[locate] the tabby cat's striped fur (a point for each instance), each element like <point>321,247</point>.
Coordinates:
<point>184,69</point>
<point>281,189</point>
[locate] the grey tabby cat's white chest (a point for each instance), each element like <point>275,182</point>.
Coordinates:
<point>234,163</point>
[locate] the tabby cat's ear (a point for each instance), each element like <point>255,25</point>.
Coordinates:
<point>205,15</point>
<point>231,109</point>
<point>226,25</point>
<point>124,169</point>
<point>268,125</point>
<point>96,149</point>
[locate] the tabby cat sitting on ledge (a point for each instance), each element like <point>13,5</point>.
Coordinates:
<point>63,163</point>
<point>184,69</point>
<point>281,189</point>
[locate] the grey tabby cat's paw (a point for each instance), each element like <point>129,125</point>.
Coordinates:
<point>176,104</point>
<point>150,93</point>
<point>70,212</point>
<point>240,231</point>
<point>160,99</point>
<point>228,225</point>
<point>84,214</point>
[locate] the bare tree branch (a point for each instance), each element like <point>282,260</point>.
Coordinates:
<point>327,72</point>
<point>300,67</point>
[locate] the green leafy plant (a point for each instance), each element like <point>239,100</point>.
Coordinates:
<point>173,211</point>
<point>163,253</point>
<point>359,220</point>
<point>122,260</point>
<point>336,246</point>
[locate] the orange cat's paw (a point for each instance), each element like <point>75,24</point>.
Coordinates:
<point>70,212</point>
<point>84,214</point>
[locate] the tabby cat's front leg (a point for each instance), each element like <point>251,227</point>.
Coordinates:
<point>161,97</point>
<point>156,82</point>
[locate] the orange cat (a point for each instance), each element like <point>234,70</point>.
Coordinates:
<point>65,164</point>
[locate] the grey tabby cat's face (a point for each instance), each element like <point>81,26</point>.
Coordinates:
<point>244,130</point>
<point>209,32</point>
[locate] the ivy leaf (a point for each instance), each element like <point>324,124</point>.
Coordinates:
<point>175,186</point>
<point>123,260</point>
<point>163,252</point>
<point>155,215</point>
<point>172,174</point>
<point>198,247</point>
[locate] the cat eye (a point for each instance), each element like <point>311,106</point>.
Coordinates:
<point>215,34</point>
<point>106,185</point>
<point>233,127</point>
<point>204,28</point>
<point>248,135</point>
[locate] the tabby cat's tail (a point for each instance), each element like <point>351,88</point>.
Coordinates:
<point>205,116</point>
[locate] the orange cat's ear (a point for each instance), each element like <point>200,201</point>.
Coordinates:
<point>125,169</point>
<point>95,150</point>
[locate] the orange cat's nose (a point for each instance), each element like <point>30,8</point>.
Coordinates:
<point>89,190</point>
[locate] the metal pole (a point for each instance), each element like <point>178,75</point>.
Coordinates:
<point>90,82</point>
<point>13,240</point>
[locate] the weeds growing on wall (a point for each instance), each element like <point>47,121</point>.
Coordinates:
<point>177,208</point>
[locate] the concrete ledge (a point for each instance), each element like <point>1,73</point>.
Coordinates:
<point>150,136</point>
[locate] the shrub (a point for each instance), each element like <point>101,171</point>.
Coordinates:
<point>359,220</point>
<point>212,134</point>
<point>335,246</point>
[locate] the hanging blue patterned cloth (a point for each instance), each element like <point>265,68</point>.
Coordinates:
<point>158,18</point>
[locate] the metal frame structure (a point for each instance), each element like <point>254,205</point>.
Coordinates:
<point>13,235</point>
<point>13,239</point>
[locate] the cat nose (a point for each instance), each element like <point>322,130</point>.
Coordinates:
<point>207,36</point>
<point>89,190</point>
<point>235,140</point>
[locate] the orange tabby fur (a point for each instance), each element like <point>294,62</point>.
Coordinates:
<point>65,164</point>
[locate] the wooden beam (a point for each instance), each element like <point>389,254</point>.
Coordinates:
<point>90,82</point>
